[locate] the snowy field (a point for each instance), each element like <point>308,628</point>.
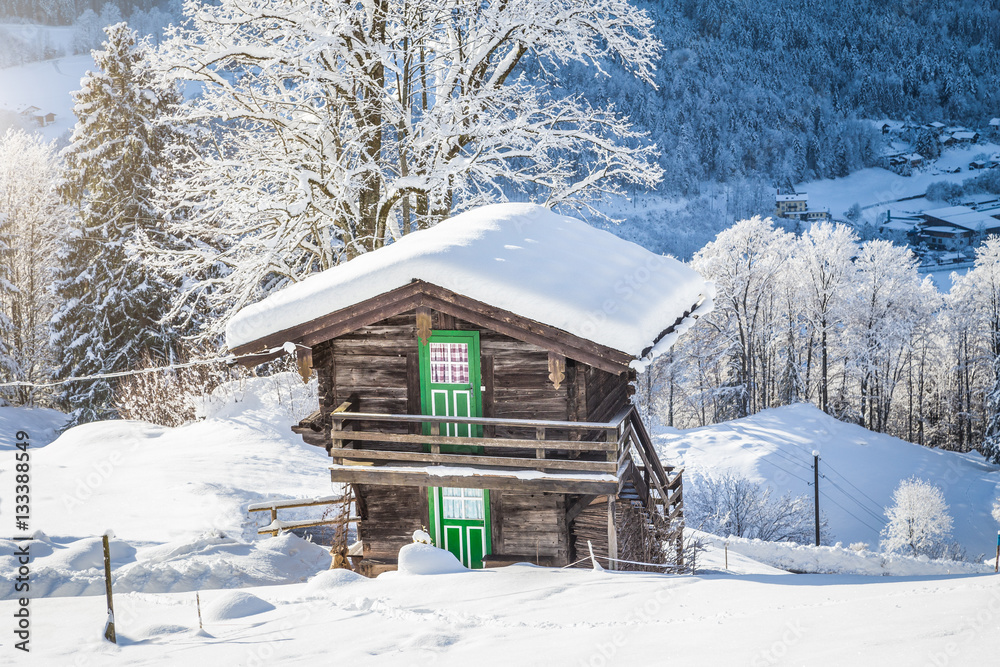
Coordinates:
<point>860,470</point>
<point>523,615</point>
<point>176,499</point>
<point>46,85</point>
<point>877,190</point>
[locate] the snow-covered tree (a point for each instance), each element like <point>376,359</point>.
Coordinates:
<point>734,505</point>
<point>888,300</point>
<point>30,217</point>
<point>919,523</point>
<point>109,300</point>
<point>339,126</point>
<point>979,293</point>
<point>746,262</point>
<point>823,264</point>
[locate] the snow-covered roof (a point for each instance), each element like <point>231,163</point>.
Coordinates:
<point>995,122</point>
<point>522,258</point>
<point>964,136</point>
<point>964,217</point>
<point>802,197</point>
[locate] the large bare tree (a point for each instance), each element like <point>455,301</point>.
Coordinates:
<point>331,127</point>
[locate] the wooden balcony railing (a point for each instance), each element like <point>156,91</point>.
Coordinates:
<point>584,457</point>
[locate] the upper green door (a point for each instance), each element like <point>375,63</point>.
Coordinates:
<point>450,387</point>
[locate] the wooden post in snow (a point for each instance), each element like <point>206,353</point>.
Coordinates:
<point>816,491</point>
<point>109,627</point>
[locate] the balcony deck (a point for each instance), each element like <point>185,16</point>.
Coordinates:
<point>589,458</point>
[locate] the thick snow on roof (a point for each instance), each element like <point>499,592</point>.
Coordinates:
<point>519,257</point>
<point>964,217</point>
<point>801,197</point>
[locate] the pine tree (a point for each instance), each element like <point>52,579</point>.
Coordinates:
<point>110,303</point>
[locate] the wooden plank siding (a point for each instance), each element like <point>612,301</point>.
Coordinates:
<point>374,367</point>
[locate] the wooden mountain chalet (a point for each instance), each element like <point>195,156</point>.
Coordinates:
<point>475,380</point>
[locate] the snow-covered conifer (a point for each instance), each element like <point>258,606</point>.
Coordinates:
<point>109,301</point>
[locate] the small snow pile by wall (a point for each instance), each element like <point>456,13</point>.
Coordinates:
<point>235,604</point>
<point>841,560</point>
<point>332,580</point>
<point>419,558</point>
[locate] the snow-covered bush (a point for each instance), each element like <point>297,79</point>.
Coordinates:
<point>170,397</point>
<point>919,523</point>
<point>735,505</point>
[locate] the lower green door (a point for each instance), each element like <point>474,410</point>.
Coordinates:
<point>449,379</point>
<point>462,523</point>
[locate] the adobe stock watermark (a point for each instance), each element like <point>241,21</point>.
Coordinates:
<point>778,650</point>
<point>985,619</point>
<point>606,652</point>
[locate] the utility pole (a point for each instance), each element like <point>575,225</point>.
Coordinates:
<point>816,491</point>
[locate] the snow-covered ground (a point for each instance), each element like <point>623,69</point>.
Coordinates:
<point>859,468</point>
<point>524,615</point>
<point>177,498</point>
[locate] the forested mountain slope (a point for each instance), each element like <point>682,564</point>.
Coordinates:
<point>772,88</point>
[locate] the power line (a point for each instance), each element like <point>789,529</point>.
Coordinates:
<point>846,479</point>
<point>856,501</point>
<point>850,513</point>
<point>228,359</point>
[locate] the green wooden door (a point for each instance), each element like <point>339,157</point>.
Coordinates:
<point>450,387</point>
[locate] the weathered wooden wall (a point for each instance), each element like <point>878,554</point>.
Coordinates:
<point>376,368</point>
<point>530,526</point>
<point>591,524</point>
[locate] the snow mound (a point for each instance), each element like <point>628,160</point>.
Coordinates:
<point>157,630</point>
<point>419,558</point>
<point>212,561</point>
<point>840,560</point>
<point>236,604</point>
<point>600,287</point>
<point>332,580</point>
<point>41,424</point>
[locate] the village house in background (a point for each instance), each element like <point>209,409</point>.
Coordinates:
<point>795,206</point>
<point>958,227</point>
<point>520,331</point>
<point>35,116</point>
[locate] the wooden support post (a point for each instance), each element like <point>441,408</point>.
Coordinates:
<point>612,534</point>
<point>540,435</point>
<point>435,432</point>
<point>274,517</point>
<point>109,628</point>
<point>197,599</point>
